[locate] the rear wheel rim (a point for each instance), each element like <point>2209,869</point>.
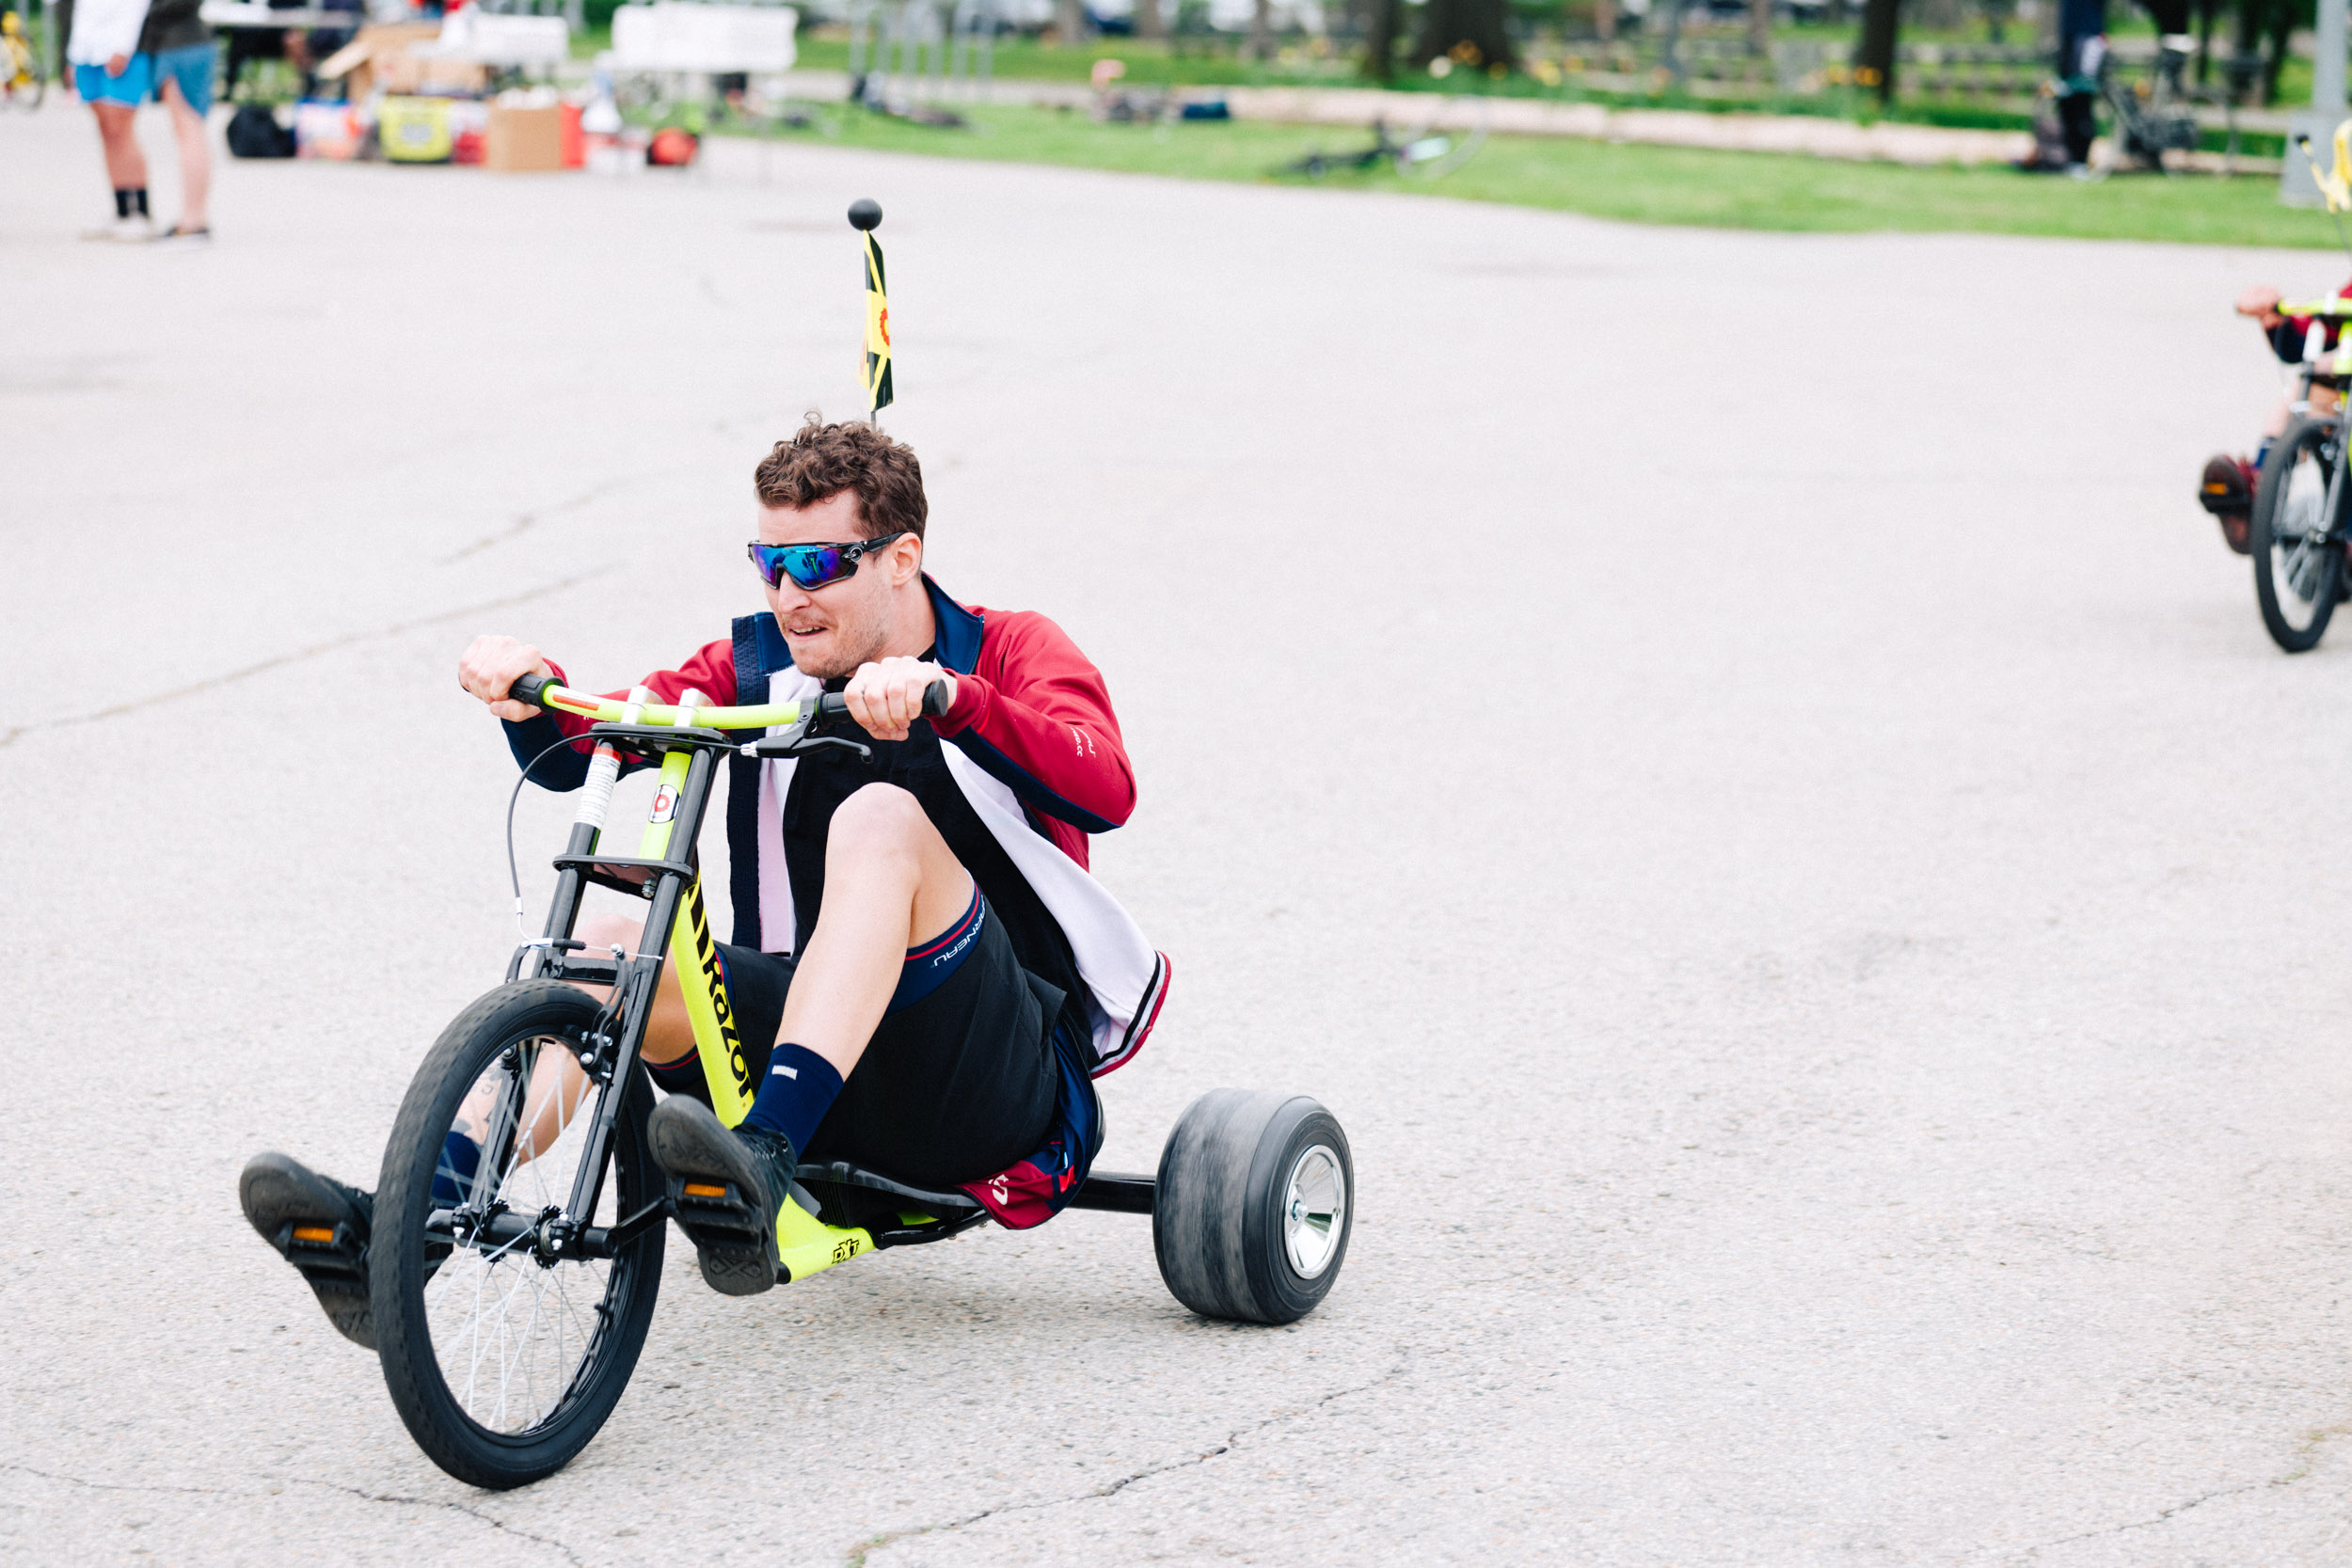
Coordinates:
<point>513,1335</point>
<point>1315,1211</point>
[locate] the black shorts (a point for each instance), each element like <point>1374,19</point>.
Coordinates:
<point>957,1086</point>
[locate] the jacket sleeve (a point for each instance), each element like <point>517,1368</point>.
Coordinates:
<point>710,672</point>
<point>1038,718</point>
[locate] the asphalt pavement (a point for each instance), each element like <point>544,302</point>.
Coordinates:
<point>1730,762</point>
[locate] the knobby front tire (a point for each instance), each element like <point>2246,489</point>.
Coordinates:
<point>502,1364</point>
<point>2296,580</point>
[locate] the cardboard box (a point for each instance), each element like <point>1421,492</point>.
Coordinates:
<point>386,58</point>
<point>524,140</point>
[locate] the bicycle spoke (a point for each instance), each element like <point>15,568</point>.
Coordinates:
<point>513,1334</point>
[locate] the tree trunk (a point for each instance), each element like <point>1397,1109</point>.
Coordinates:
<point>2205,10</point>
<point>1150,24</point>
<point>1759,26</point>
<point>1874,56</point>
<point>1070,23</point>
<point>1605,21</point>
<point>1471,30</point>
<point>1380,41</point>
<point>1261,45</point>
<point>2281,28</point>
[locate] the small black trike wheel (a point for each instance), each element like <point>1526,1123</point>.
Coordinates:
<point>1251,1211</point>
<point>507,1325</point>
<point>2296,545</point>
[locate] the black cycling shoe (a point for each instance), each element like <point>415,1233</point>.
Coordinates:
<point>319,1227</point>
<point>726,1189</point>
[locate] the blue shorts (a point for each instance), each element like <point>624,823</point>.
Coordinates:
<point>93,86</point>
<point>192,68</point>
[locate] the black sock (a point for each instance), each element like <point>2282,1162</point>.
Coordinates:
<point>123,204</point>
<point>138,200</point>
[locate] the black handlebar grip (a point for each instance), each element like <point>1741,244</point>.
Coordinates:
<point>936,698</point>
<point>527,689</point>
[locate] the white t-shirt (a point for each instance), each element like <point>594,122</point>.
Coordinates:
<point>104,29</point>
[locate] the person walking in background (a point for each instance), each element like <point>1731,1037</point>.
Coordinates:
<point>113,75</point>
<point>182,48</point>
<point>2082,49</point>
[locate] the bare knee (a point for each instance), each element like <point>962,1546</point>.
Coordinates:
<point>878,819</point>
<point>604,932</point>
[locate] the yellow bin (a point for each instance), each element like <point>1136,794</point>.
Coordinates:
<point>414,130</point>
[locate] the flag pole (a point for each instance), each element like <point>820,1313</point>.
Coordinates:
<point>865,215</point>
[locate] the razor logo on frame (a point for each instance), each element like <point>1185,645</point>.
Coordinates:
<point>714,982</point>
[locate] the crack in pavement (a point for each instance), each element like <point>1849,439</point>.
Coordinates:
<point>858,1554</point>
<point>525,521</point>
<point>2176,1510</point>
<point>9,737</point>
<point>2307,1455</point>
<point>495,1523</point>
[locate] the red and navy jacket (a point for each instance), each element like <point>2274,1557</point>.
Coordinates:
<point>1030,709</point>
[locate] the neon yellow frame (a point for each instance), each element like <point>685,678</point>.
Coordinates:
<point>804,1243</point>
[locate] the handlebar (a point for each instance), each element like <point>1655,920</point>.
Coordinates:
<point>542,691</point>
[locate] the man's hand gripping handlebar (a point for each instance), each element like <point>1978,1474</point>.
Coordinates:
<point>543,692</point>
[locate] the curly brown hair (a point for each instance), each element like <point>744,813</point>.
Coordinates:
<point>823,460</point>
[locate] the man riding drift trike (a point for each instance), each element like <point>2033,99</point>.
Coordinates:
<point>900,1042</point>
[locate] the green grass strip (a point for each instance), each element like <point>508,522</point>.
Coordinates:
<point>1639,184</point>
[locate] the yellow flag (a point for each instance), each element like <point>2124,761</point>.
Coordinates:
<point>2334,181</point>
<point>877,374</point>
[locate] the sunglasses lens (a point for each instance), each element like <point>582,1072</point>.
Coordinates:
<point>813,565</point>
<point>808,565</point>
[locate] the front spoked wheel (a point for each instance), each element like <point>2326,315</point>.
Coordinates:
<point>2297,551</point>
<point>507,1325</point>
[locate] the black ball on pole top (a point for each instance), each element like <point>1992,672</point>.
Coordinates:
<point>865,213</point>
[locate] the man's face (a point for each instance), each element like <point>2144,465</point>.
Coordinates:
<point>832,629</point>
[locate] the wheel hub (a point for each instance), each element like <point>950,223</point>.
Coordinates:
<point>1315,1211</point>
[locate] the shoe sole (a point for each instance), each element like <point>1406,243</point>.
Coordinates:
<point>733,1239</point>
<point>284,1199</point>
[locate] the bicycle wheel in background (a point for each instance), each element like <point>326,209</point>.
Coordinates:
<point>2299,558</point>
<point>503,1356</point>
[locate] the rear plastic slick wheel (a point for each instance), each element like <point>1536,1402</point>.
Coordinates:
<point>1253,1206</point>
<point>2299,569</point>
<point>504,1359</point>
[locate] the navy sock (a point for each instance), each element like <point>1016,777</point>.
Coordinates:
<point>800,1088</point>
<point>122,202</point>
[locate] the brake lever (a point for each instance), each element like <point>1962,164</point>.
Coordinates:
<point>802,745</point>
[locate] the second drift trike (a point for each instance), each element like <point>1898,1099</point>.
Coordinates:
<point>515,1245</point>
